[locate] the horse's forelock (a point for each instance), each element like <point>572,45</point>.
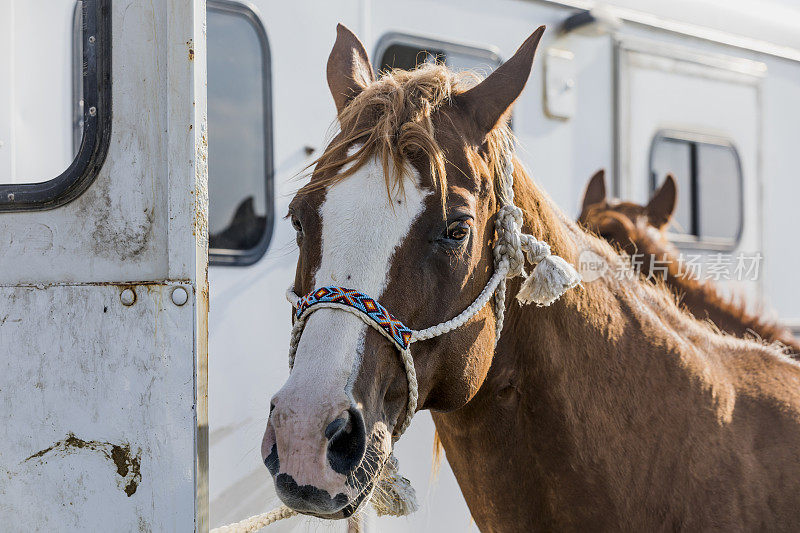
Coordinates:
<point>392,120</point>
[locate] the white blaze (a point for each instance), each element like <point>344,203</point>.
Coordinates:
<point>361,229</point>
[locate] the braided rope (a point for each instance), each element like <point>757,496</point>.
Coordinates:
<point>474,308</point>
<point>254,523</point>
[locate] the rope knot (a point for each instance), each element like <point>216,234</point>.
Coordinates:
<point>535,250</point>
<point>508,225</point>
<point>551,276</point>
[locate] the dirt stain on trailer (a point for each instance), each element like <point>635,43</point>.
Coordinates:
<point>128,465</point>
<point>118,231</point>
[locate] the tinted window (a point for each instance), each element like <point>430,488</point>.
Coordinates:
<point>709,178</point>
<point>408,57</point>
<point>239,129</point>
<point>407,52</point>
<point>718,188</point>
<point>673,156</point>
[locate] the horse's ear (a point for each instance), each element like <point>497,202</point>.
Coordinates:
<point>595,190</point>
<point>662,204</point>
<point>490,100</point>
<point>349,70</point>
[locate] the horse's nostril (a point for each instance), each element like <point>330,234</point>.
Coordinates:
<point>335,427</point>
<point>347,440</point>
<point>338,425</point>
<point>272,462</point>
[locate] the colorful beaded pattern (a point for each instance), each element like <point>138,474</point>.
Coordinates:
<point>360,301</point>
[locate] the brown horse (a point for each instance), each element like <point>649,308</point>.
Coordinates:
<point>638,229</point>
<point>610,409</point>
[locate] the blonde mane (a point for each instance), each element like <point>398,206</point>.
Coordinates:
<point>391,119</point>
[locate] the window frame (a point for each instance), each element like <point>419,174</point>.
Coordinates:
<point>91,155</point>
<point>689,240</point>
<point>231,257</point>
<point>77,87</point>
<point>489,54</point>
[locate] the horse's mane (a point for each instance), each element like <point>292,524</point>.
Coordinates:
<point>757,325</point>
<point>391,119</point>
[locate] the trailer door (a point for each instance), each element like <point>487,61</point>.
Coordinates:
<point>697,116</point>
<point>103,292</point>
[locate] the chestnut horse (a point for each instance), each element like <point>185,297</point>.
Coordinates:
<point>640,229</point>
<point>609,409</point>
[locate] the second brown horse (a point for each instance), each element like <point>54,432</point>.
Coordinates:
<point>640,230</point>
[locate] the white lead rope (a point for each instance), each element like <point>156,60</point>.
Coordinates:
<point>550,278</point>
<point>254,523</point>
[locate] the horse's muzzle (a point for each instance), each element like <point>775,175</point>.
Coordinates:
<point>313,464</point>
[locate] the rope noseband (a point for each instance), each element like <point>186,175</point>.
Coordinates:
<point>371,313</point>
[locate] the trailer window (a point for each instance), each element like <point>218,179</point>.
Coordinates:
<point>409,57</point>
<point>709,177</point>
<point>408,51</point>
<point>41,164</point>
<point>240,144</point>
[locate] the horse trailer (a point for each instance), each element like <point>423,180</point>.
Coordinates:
<point>148,153</point>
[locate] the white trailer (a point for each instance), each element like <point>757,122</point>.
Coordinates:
<point>109,342</point>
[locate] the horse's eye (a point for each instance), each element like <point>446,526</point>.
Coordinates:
<point>457,230</point>
<point>297,226</point>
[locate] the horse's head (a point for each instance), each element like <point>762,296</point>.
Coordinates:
<point>623,224</point>
<point>400,207</point>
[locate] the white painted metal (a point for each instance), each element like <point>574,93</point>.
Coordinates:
<point>559,83</point>
<point>78,364</point>
<point>664,88</point>
<point>765,26</point>
<point>781,129</point>
<point>105,397</point>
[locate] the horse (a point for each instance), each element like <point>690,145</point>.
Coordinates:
<point>608,409</point>
<point>640,230</point>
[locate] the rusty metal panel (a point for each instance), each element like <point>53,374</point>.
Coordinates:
<point>97,408</point>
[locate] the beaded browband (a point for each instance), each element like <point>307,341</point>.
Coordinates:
<point>392,328</point>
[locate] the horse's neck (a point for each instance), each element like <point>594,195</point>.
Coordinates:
<point>702,298</point>
<point>569,387</point>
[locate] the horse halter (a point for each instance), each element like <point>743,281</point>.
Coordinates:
<point>550,278</point>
